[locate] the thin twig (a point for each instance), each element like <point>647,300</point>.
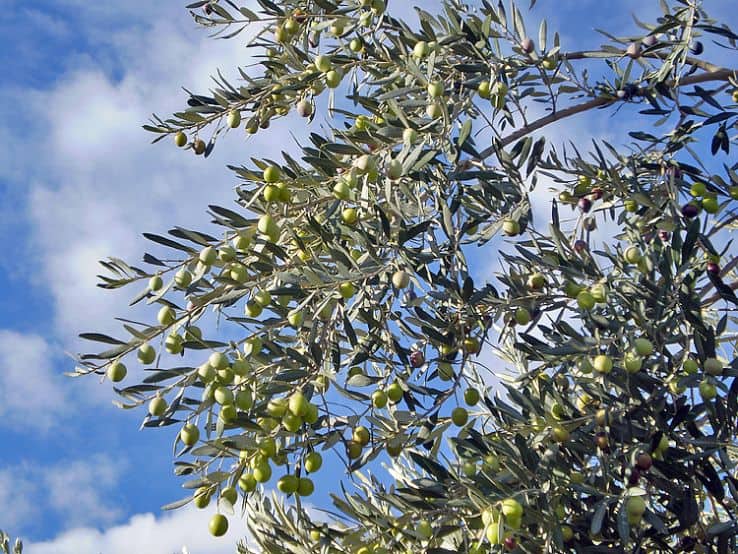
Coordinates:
<point>722,74</point>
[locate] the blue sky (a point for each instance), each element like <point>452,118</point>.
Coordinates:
<point>79,181</point>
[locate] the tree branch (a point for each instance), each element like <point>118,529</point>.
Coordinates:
<point>585,54</point>
<point>721,74</point>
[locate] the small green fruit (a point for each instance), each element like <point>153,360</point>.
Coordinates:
<point>223,396</point>
<point>201,498</point>
<point>643,347</point>
<point>599,293</point>
<point>342,190</point>
<point>511,508</point>
<point>459,416</point>
<point>379,399</point>
<point>511,227</point>
<point>238,273</point>
<point>632,362</point>
<point>218,525</point>
<point>262,473</point>
<point>421,50</point>
<point>323,63</point>
<point>305,487</point>
<point>157,406</point>
<point>571,289</point>
<point>522,316</point>
<point>394,169</point>
<point>558,411</point>
<point>445,371</point>
<point>395,392</point>
<point>295,319</point>
<point>536,281</point>
<point>347,290</point>
<point>288,484</point>
<point>400,279</point>
<point>635,506</point>
<point>247,482</point>
<point>230,494</point>
<point>253,309</point>
<point>350,216</point>
<point>263,298</point>
<point>146,354</point>
<point>189,434</point>
<point>174,344</point>
<point>361,435</point>
<point>435,89</point>
<point>183,278</point>
<point>333,78</point>
<point>234,119</point>
<point>690,366</point>
<point>155,283</point>
<point>180,139</point>
<point>166,316</point>
<point>710,205</point>
<point>698,189</point>
<point>218,360</point>
<point>585,300</point>
<point>708,391</point>
<point>277,407</point>
<point>560,434</point>
<point>272,174</point>
<point>353,450</point>
<point>434,110</point>
<point>291,422</point>
<point>117,371</point>
<point>313,462</point>
<point>632,255</point>
<point>713,366</point>
<point>244,399</point>
<point>602,363</point>
<point>298,404</point>
<point>471,396</point>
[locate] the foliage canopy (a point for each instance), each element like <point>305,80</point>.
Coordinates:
<point>351,324</point>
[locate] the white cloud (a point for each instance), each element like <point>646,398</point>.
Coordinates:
<point>16,490</point>
<point>87,482</point>
<point>77,491</point>
<point>100,183</point>
<point>31,394</point>
<point>166,534</point>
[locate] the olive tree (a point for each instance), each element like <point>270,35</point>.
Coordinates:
<point>581,400</point>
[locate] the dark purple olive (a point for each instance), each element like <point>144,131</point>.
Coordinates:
<point>690,210</point>
<point>527,45</point>
<point>697,48</point>
<point>713,268</point>
<point>644,461</point>
<point>634,50</point>
<point>673,171</point>
<point>417,359</point>
<point>664,235</point>
<point>634,476</point>
<point>590,223</point>
<point>208,9</point>
<point>602,441</point>
<point>585,204</point>
<point>580,246</point>
<point>596,194</point>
